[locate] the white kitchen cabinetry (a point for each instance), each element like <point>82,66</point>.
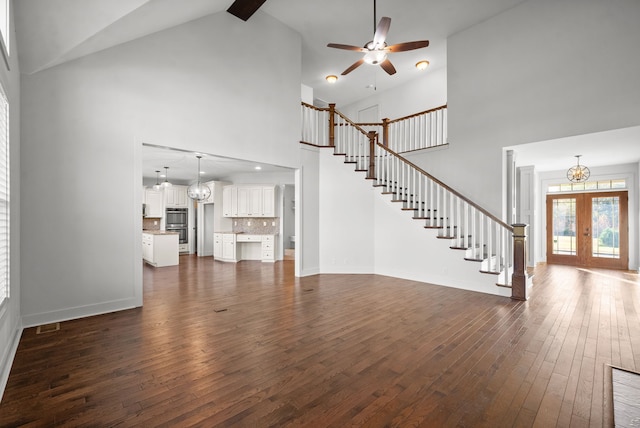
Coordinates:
<point>217,245</point>
<point>268,248</point>
<point>230,201</point>
<point>269,201</point>
<point>245,247</point>
<point>160,249</point>
<point>229,249</point>
<point>212,186</point>
<point>249,201</point>
<point>176,197</point>
<point>153,201</point>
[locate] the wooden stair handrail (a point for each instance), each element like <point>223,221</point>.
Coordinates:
<point>417,114</point>
<point>352,123</point>
<point>449,189</point>
<point>389,121</point>
<point>314,107</point>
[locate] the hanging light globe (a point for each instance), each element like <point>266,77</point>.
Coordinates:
<point>578,173</point>
<point>198,191</point>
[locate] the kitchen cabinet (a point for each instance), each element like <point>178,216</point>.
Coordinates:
<point>249,201</point>
<point>229,249</point>
<point>212,186</point>
<point>234,247</point>
<point>269,201</point>
<point>230,201</point>
<point>160,249</point>
<point>176,197</point>
<point>153,201</point>
<point>268,248</point>
<point>217,245</point>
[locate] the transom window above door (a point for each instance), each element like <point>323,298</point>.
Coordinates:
<point>588,186</point>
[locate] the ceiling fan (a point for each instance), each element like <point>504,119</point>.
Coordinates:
<point>375,51</point>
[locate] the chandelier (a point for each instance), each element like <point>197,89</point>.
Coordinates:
<point>198,191</point>
<point>578,173</point>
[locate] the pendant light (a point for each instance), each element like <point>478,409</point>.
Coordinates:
<point>166,183</point>
<point>157,186</point>
<point>198,191</point>
<point>578,173</point>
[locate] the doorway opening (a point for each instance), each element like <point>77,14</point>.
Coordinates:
<point>588,229</point>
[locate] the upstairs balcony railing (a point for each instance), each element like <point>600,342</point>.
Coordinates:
<point>414,132</point>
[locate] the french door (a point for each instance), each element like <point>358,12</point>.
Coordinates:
<point>588,229</point>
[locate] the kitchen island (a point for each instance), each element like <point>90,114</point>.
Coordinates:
<point>160,248</point>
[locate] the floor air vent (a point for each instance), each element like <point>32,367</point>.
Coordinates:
<point>48,328</point>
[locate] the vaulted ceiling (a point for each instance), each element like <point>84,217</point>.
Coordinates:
<point>51,32</point>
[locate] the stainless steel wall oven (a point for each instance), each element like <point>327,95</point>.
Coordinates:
<point>176,220</point>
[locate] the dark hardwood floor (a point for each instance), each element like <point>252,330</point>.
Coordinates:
<point>249,345</point>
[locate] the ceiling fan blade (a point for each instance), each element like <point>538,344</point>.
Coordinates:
<point>346,47</point>
<point>353,66</point>
<point>407,46</point>
<point>388,67</point>
<point>243,9</point>
<point>381,32</point>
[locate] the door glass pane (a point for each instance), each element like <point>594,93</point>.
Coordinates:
<point>606,227</point>
<point>564,226</point>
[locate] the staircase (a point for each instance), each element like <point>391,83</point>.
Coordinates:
<point>481,238</point>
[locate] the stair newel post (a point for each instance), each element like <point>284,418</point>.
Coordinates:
<point>371,174</point>
<point>519,278</point>
<point>332,124</point>
<point>385,132</point>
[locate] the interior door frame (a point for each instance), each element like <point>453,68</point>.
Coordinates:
<point>583,257</point>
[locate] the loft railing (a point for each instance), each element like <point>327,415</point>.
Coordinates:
<point>414,132</point>
<point>499,247</point>
<point>417,131</point>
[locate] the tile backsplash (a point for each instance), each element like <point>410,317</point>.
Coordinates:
<point>257,226</point>
<point>148,224</point>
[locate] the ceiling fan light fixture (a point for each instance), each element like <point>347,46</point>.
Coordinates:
<point>331,78</point>
<point>375,57</point>
<point>422,65</point>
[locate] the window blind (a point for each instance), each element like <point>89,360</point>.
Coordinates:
<point>4,196</point>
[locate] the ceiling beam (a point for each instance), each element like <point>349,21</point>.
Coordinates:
<point>243,9</point>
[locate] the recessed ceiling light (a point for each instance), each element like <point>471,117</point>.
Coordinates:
<point>258,167</point>
<point>422,65</point>
<point>332,78</point>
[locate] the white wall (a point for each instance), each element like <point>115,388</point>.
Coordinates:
<point>538,71</point>
<point>405,249</point>
<point>87,119</point>
<point>362,231</point>
<point>347,219</point>
<point>428,90</point>
<point>308,205</point>
<point>10,322</point>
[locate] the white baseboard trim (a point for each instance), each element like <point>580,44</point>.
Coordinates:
<point>309,272</point>
<point>78,312</point>
<point>8,358</point>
